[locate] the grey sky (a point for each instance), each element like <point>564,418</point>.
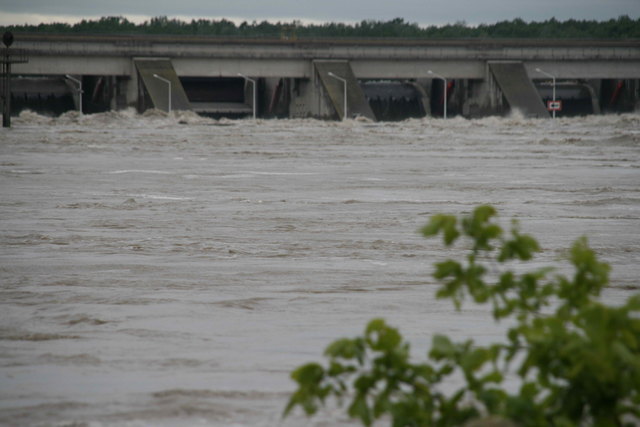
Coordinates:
<point>424,12</point>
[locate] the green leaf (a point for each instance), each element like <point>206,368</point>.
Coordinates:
<point>311,373</point>
<point>448,268</point>
<point>521,247</point>
<point>633,303</point>
<point>478,227</point>
<point>344,348</point>
<point>310,389</point>
<point>492,377</point>
<point>483,213</point>
<point>474,359</point>
<point>591,275</point>
<point>446,224</point>
<point>442,348</point>
<point>360,409</point>
<point>382,337</point>
<point>529,390</point>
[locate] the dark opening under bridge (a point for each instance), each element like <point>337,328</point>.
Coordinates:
<point>491,75</point>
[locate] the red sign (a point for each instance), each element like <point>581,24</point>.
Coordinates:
<point>554,105</point>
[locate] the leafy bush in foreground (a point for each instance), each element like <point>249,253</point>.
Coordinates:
<point>578,360</point>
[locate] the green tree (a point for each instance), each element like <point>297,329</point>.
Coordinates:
<point>623,27</point>
<point>577,360</point>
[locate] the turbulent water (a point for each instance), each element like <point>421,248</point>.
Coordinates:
<point>172,270</point>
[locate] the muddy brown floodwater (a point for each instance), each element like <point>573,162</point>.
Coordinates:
<point>173,270</point>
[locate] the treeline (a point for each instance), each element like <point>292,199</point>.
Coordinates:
<point>623,27</point>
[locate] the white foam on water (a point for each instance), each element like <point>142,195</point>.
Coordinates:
<point>250,173</point>
<point>134,171</point>
<point>159,197</point>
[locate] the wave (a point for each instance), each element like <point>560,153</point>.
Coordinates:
<point>35,336</point>
<point>115,118</point>
<point>83,359</point>
<point>157,117</point>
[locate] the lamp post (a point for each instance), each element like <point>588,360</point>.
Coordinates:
<point>8,57</point>
<point>79,83</point>
<point>344,82</point>
<point>168,82</point>
<point>553,78</point>
<point>7,39</point>
<point>253,82</point>
<point>445,91</point>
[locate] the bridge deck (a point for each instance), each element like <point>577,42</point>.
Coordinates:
<point>369,58</point>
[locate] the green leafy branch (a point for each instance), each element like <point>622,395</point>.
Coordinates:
<point>578,360</point>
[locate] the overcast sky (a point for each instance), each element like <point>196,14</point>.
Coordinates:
<point>423,12</point>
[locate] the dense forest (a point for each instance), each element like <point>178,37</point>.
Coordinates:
<point>623,27</point>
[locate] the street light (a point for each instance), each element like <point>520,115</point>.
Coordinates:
<point>169,83</point>
<point>253,82</point>
<point>445,91</point>
<point>79,83</point>
<point>553,78</point>
<point>344,82</point>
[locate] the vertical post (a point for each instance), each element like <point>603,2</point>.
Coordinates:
<point>554,96</point>
<point>553,83</point>
<point>344,84</point>
<point>168,83</point>
<point>255,100</point>
<point>444,115</point>
<point>15,56</point>
<point>253,82</point>
<point>7,39</point>
<point>6,99</point>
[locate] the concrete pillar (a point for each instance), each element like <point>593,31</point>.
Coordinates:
<point>119,99</point>
<point>308,99</point>
<point>131,87</point>
<point>481,98</point>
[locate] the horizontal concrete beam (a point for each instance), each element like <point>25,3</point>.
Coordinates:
<point>189,47</point>
<point>302,68</point>
<point>592,69</point>
<point>198,67</point>
<point>372,69</point>
<point>370,58</point>
<point>85,65</point>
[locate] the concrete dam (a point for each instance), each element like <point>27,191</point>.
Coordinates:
<point>381,79</point>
